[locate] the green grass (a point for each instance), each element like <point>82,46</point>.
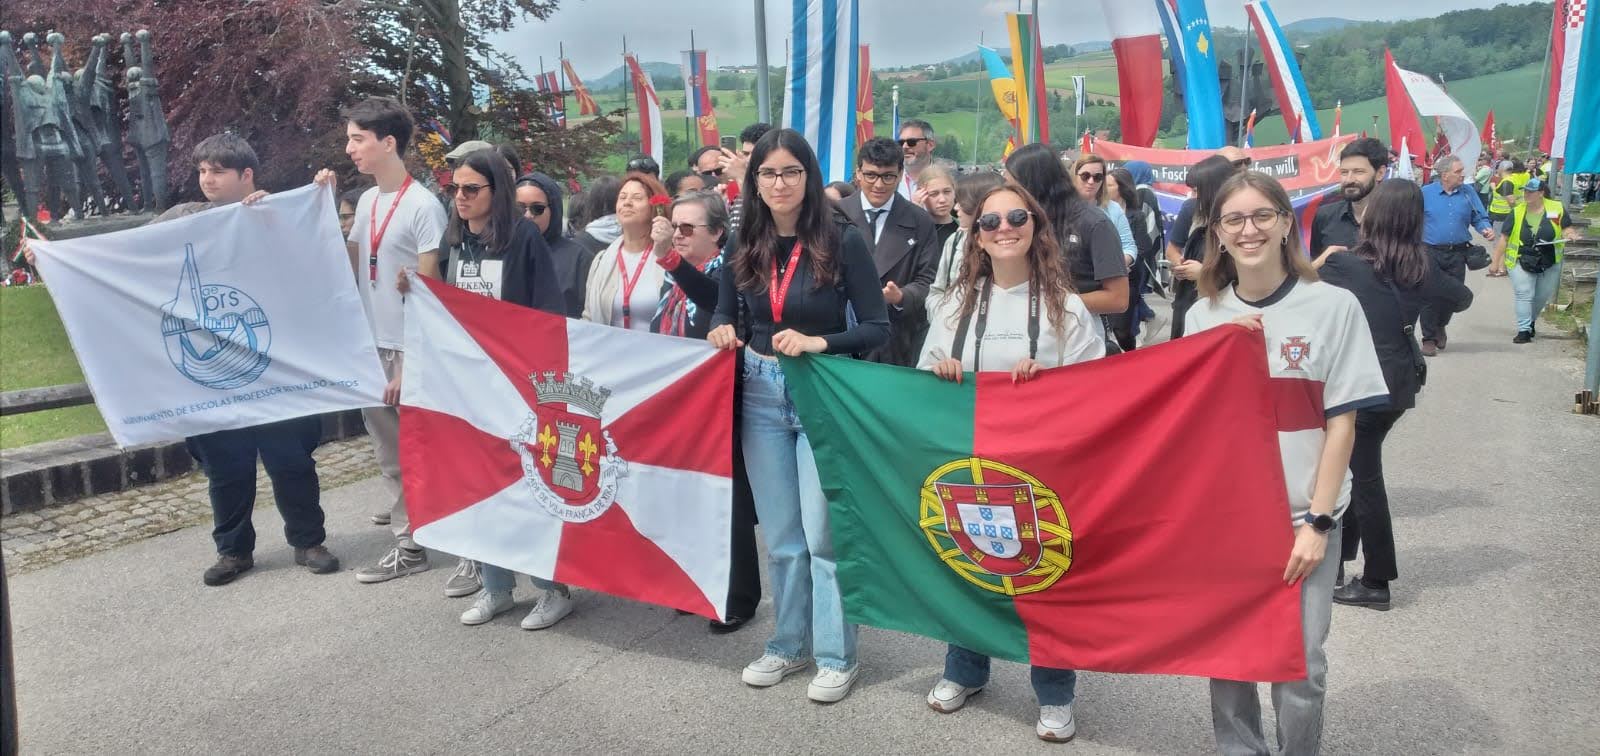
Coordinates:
<point>34,352</point>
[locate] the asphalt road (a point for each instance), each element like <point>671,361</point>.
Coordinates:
<point>1492,646</point>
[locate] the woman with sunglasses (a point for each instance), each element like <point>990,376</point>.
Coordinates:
<point>1319,352</point>
<point>1011,309</point>
<point>1087,237</point>
<point>624,287</point>
<point>800,266</point>
<point>539,200</point>
<point>1089,178</point>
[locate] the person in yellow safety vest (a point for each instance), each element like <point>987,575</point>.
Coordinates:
<point>1507,195</point>
<point>1531,245</point>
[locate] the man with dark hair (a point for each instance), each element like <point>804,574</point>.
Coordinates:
<point>644,164</point>
<point>904,246</point>
<point>1338,225</point>
<point>917,141</point>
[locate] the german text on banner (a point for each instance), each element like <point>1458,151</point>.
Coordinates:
<point>1026,522</point>
<point>227,318</point>
<point>567,450</point>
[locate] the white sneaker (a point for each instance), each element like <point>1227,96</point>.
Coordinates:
<point>552,607</point>
<point>465,581</point>
<point>832,685</point>
<point>1055,724</point>
<point>947,696</point>
<point>770,670</point>
<point>486,607</point>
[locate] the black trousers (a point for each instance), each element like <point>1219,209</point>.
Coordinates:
<point>1184,295</point>
<point>1366,521</point>
<point>1453,261</point>
<point>229,461</point>
<point>744,570</point>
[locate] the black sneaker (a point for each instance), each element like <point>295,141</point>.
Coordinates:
<point>1358,593</point>
<point>1522,337</point>
<point>732,625</point>
<point>227,568</point>
<point>317,559</point>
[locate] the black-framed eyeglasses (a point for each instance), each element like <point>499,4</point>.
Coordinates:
<point>1015,218</point>
<point>912,142</point>
<point>787,176</point>
<point>1265,219</point>
<point>533,209</point>
<point>873,177</point>
<point>687,229</point>
<point>470,191</point>
<point>1089,177</point>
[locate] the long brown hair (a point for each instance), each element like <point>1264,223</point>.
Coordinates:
<point>758,235</point>
<point>1391,233</point>
<point>1047,271</point>
<point>1217,272</point>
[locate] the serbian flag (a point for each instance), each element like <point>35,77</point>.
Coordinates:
<point>1136,40</point>
<point>652,141</point>
<point>586,104</point>
<point>1016,520</point>
<point>864,98</point>
<point>558,448</point>
<point>697,97</point>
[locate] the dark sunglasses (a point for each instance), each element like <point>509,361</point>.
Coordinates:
<point>912,142</point>
<point>643,166</point>
<point>470,191</point>
<point>1087,177</point>
<point>535,209</point>
<point>687,229</point>
<point>713,172</point>
<point>1016,219</point>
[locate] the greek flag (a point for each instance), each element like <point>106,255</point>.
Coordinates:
<point>820,98</point>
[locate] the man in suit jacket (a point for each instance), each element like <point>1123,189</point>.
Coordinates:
<point>903,243</point>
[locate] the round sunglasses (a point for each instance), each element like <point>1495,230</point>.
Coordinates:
<point>1016,219</point>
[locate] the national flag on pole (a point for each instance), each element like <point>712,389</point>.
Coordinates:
<point>231,317</point>
<point>560,449</point>
<point>824,71</point>
<point>1454,125</point>
<point>1250,130</point>
<point>1079,94</point>
<point>1202,94</point>
<point>652,140</point>
<point>1405,131</point>
<point>864,98</point>
<point>1136,40</point>
<point>1294,99</point>
<point>697,96</point>
<point>1490,138</point>
<point>586,103</point>
<point>1338,117</point>
<point>1558,48</point>
<point>1086,144</point>
<point>1005,92</point>
<point>1582,149</point>
<point>1027,63</point>
<point>549,83</point>
<point>1016,520</point>
<point>1567,50</point>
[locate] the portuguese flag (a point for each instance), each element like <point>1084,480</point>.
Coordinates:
<point>1122,515</point>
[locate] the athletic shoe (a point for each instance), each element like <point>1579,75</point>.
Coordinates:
<point>832,685</point>
<point>486,607</point>
<point>770,670</point>
<point>381,518</point>
<point>317,559</point>
<point>227,568</point>
<point>555,604</point>
<point>947,696</point>
<point>465,581</point>
<point>1055,724</point>
<point>399,562</point>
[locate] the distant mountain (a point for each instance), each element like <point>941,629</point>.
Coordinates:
<point>1313,26</point>
<point>1093,46</point>
<point>614,80</point>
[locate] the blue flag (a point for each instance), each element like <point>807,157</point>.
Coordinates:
<point>1202,95</point>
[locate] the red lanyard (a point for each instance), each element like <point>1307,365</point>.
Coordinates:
<point>375,232</point>
<point>777,294</point>
<point>628,285</point>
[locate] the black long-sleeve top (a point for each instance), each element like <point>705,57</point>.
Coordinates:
<point>813,310</point>
<point>701,288</point>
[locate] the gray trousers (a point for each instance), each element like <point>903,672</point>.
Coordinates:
<point>383,427</point>
<point>1235,707</point>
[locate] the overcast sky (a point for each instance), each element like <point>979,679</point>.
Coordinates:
<point>901,32</point>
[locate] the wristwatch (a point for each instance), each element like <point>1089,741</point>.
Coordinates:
<point>1320,522</point>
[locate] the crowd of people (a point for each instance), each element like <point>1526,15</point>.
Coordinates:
<point>1041,265</point>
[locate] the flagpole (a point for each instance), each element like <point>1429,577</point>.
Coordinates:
<point>627,90</point>
<point>688,92</point>
<point>1244,90</point>
<point>977,121</point>
<point>763,84</point>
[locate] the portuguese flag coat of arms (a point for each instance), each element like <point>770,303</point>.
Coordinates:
<point>1122,515</point>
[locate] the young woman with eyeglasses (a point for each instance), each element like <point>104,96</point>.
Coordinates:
<point>624,287</point>
<point>797,271</point>
<point>539,200</point>
<point>1320,354</point>
<point>1010,309</point>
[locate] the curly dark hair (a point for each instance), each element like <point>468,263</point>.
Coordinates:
<point>1047,270</point>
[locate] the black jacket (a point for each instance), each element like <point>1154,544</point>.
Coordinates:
<point>569,259</point>
<point>906,253</point>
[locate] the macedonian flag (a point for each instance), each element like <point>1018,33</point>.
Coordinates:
<point>1122,515</point>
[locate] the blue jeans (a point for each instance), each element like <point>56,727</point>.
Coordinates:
<point>1053,687</point>
<point>1531,292</point>
<point>794,523</point>
<point>501,580</point>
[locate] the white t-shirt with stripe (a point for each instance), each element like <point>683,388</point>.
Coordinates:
<point>1323,364</point>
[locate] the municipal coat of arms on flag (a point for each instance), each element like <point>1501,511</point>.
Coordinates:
<point>567,450</point>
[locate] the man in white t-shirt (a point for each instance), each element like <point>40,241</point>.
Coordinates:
<point>396,223</point>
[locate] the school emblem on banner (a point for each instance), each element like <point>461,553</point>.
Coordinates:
<point>568,460</point>
<point>996,526</point>
<point>216,335</point>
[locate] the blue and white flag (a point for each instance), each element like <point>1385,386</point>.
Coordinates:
<point>1188,30</point>
<point>231,317</point>
<point>820,98</point>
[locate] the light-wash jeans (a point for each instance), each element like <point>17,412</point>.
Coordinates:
<point>1235,707</point>
<point>1053,687</point>
<point>794,523</point>
<point>501,580</point>
<point>1530,293</point>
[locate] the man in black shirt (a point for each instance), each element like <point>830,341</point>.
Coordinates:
<point>903,243</point>
<point>1338,225</point>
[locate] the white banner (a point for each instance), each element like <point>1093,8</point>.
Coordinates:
<point>227,318</point>
<point>1458,127</point>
